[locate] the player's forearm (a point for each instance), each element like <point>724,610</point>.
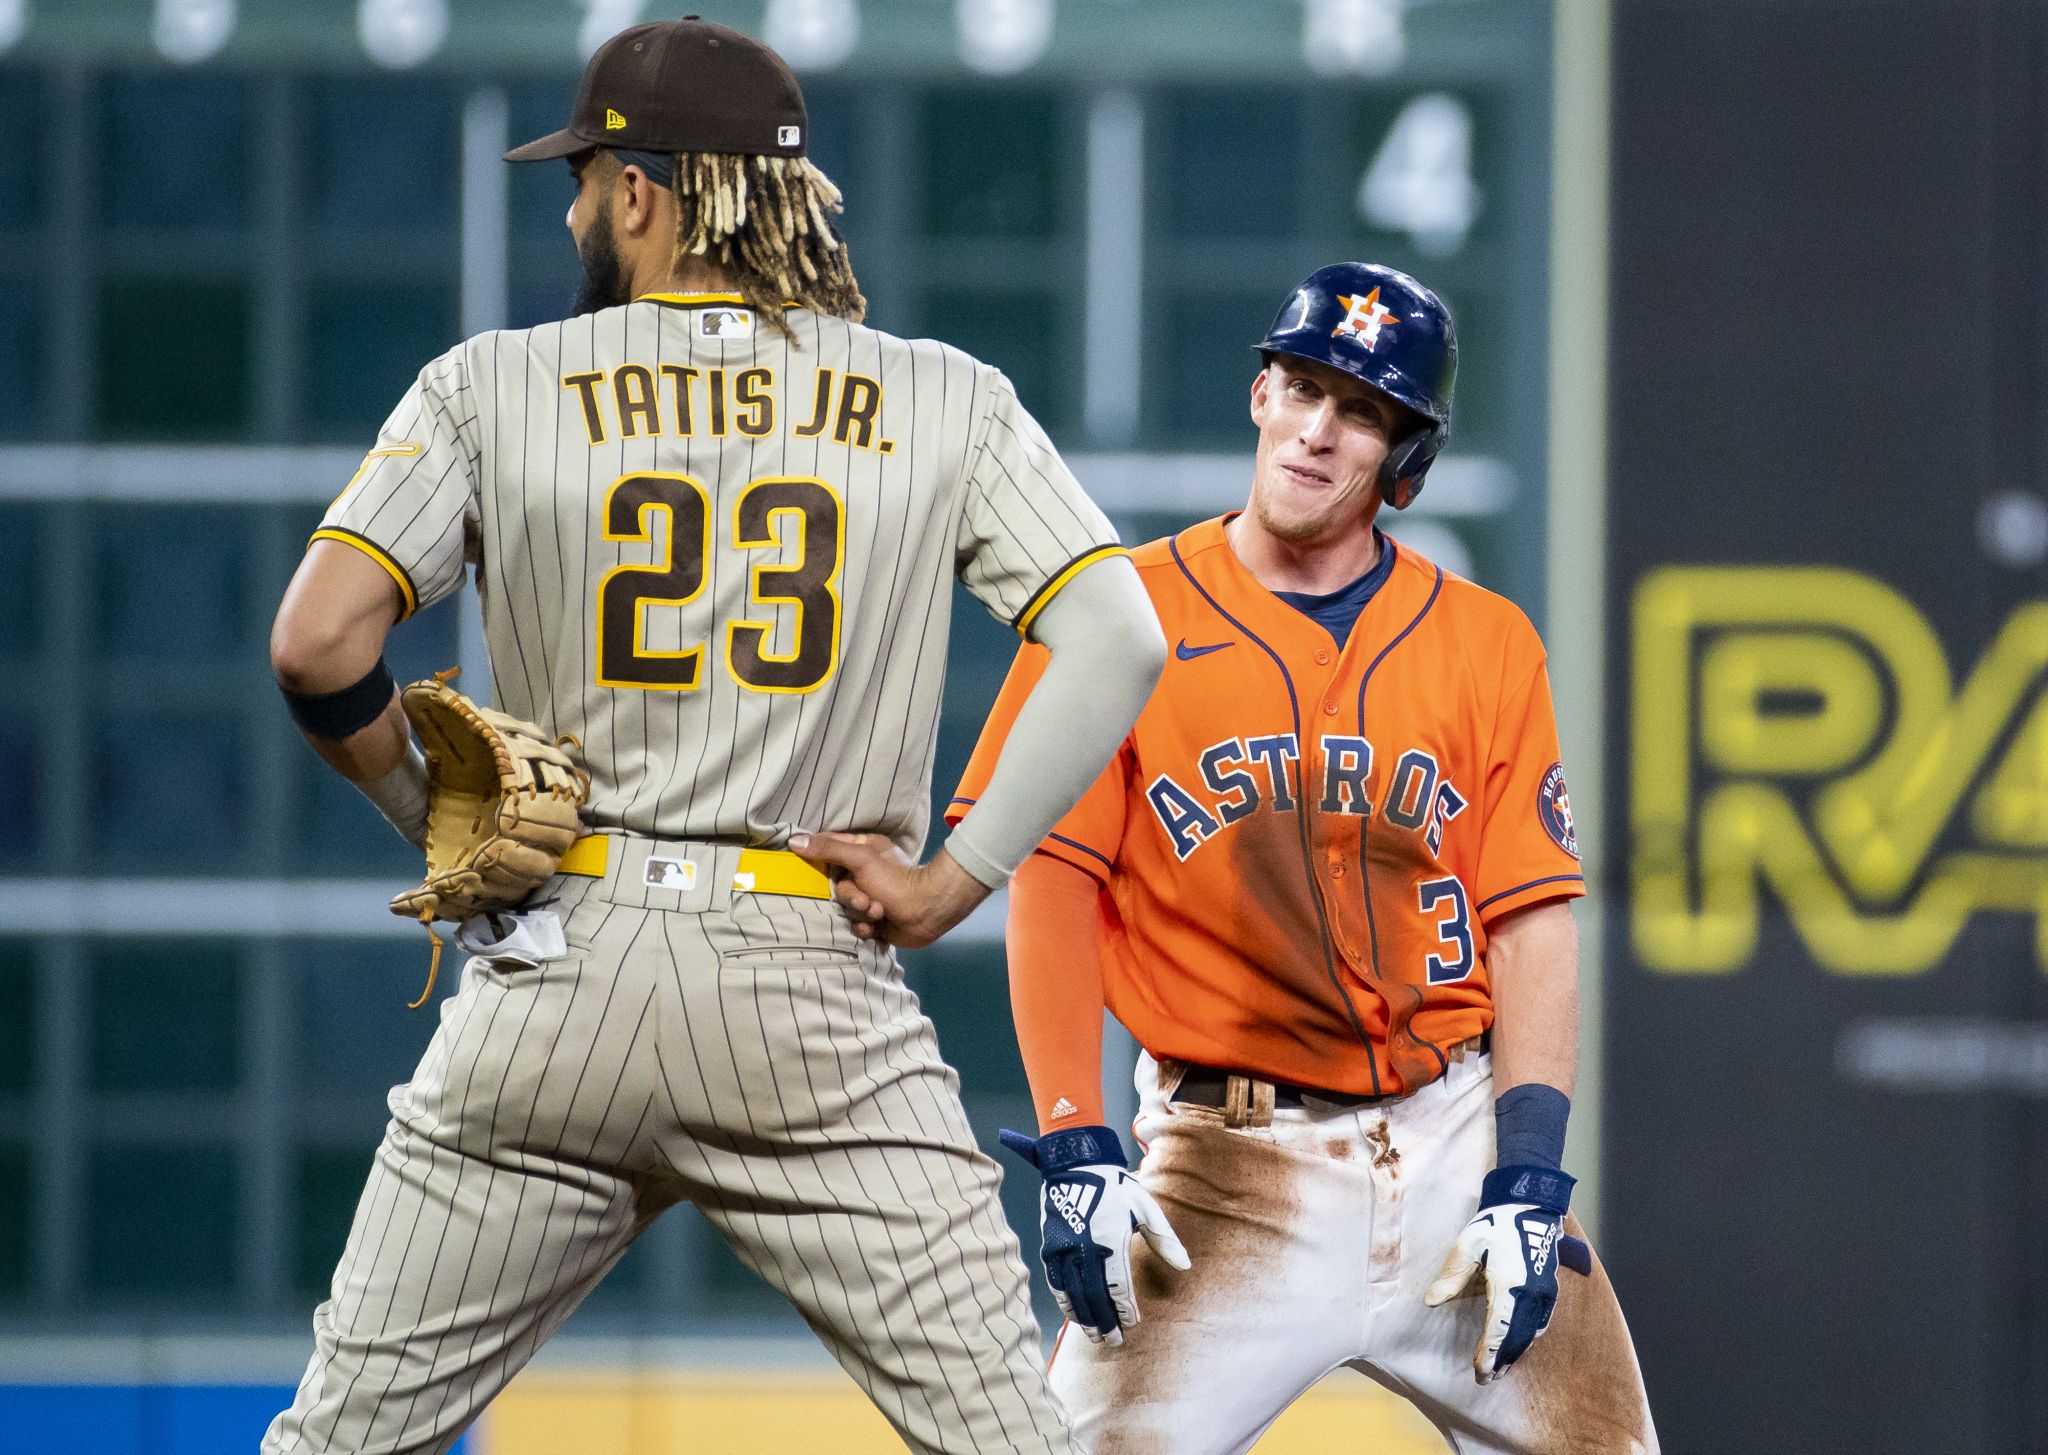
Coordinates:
<point>1056,990</point>
<point>1106,655</point>
<point>327,651</point>
<point>1533,962</point>
<point>370,753</point>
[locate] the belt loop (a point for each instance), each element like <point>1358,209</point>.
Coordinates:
<point>1262,1104</point>
<point>1236,1099</point>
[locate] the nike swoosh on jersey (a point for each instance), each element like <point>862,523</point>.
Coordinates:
<point>1188,654</point>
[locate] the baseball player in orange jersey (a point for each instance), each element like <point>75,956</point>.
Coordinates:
<point>1325,884</point>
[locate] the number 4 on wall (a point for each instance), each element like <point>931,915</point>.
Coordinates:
<point>1420,181</point>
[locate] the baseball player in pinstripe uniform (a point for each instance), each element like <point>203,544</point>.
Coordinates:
<point>714,522</point>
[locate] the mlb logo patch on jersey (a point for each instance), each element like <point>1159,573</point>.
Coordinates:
<point>670,874</point>
<point>1364,319</point>
<point>1554,810</point>
<point>725,323</point>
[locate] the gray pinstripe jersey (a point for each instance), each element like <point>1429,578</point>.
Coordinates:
<point>719,557</point>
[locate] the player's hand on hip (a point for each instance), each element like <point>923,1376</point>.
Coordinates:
<point>1092,1204</point>
<point>1509,1253</point>
<point>888,896</point>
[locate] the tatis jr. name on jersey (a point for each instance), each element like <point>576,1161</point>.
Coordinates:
<point>1239,776</point>
<point>682,401</point>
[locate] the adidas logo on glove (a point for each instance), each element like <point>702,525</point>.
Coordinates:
<point>1074,1201</point>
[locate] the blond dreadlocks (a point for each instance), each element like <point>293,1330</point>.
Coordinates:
<point>766,222</point>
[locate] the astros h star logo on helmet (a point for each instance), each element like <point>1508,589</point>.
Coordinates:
<point>1364,318</point>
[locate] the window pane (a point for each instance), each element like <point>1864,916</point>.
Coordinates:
<point>374,338</point>
<point>338,832</point>
<point>21,354</point>
<point>180,1238</point>
<point>165,1016</point>
<point>356,1039</point>
<point>964,992</point>
<point>174,359</point>
<point>1487,386</point>
<point>623,1291</point>
<point>838,145</point>
<point>22,109</point>
<point>731,1286</point>
<point>20,796</point>
<point>542,294</point>
<point>16,1198</point>
<point>386,154</point>
<point>329,1182</point>
<point>20,582</point>
<point>171,791</point>
<point>17,1016</point>
<point>1232,164</point>
<point>1210,363</point>
<point>172,583</point>
<point>541,191</point>
<point>991,164</point>
<point>187,141</point>
<point>1017,332</point>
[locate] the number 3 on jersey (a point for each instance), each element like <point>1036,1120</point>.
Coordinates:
<point>770,513</point>
<point>1454,929</point>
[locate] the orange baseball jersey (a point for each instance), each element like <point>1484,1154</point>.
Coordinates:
<point>1302,847</point>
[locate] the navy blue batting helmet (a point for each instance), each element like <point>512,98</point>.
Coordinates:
<point>1378,324</point>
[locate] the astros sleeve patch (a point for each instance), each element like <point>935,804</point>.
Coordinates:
<point>1529,845</point>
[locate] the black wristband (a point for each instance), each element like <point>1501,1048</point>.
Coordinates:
<point>1543,1187</point>
<point>341,714</point>
<point>1072,1147</point>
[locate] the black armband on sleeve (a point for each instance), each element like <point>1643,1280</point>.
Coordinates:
<point>349,711</point>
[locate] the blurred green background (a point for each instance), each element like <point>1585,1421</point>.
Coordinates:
<point>223,255</point>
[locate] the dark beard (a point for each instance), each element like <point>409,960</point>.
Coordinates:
<point>604,281</point>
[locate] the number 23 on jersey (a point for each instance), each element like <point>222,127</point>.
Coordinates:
<point>770,514</point>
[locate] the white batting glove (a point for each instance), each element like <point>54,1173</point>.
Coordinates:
<point>1092,1205</point>
<point>1511,1250</point>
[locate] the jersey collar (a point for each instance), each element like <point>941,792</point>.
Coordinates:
<point>699,300</point>
<point>1409,592</point>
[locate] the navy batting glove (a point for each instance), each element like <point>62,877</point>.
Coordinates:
<point>1511,1249</point>
<point>1092,1205</point>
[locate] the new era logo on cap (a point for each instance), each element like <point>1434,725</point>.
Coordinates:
<point>680,86</point>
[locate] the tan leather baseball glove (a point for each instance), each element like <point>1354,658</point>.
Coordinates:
<point>502,807</point>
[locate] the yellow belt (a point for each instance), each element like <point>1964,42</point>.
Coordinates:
<point>760,871</point>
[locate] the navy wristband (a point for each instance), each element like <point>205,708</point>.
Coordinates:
<point>341,714</point>
<point>1079,1147</point>
<point>1543,1187</point>
<point>1528,1126</point>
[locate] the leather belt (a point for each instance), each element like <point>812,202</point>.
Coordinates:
<point>1209,1086</point>
<point>1247,1100</point>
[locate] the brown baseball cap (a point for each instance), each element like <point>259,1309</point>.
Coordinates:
<point>681,86</point>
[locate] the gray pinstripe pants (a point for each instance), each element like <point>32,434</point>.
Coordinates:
<point>743,1052</point>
